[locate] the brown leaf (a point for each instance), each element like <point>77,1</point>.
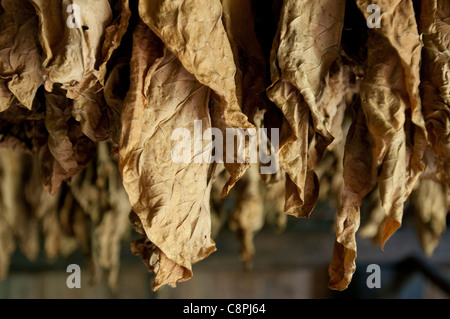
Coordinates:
<point>71,53</point>
<point>358,182</point>
<point>388,92</point>
<point>20,54</point>
<point>388,128</point>
<point>374,224</point>
<point>247,216</point>
<point>194,32</point>
<point>15,171</point>
<point>114,94</point>
<point>20,128</point>
<point>305,47</point>
<point>53,236</point>
<point>248,55</point>
<point>430,203</point>
<point>67,151</point>
<point>89,109</point>
<point>8,245</point>
<point>113,37</point>
<point>435,87</point>
<point>171,199</point>
<point>98,190</point>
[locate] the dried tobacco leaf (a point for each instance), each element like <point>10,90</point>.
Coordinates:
<point>113,37</point>
<point>357,183</point>
<point>114,93</point>
<point>218,207</point>
<point>55,242</point>
<point>247,216</point>
<point>305,47</point>
<point>16,211</point>
<point>171,199</point>
<point>89,110</point>
<point>194,32</point>
<point>20,54</point>
<point>342,85</point>
<point>273,202</point>
<point>400,29</point>
<point>389,90</point>
<point>248,213</point>
<point>430,203</point>
<point>374,225</point>
<point>20,129</point>
<point>248,55</point>
<point>8,244</point>
<point>72,52</point>
<point>67,150</point>
<point>435,87</point>
<point>99,192</point>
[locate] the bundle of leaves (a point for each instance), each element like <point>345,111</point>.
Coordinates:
<point>91,91</point>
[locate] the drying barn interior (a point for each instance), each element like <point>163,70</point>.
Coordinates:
<point>224,149</point>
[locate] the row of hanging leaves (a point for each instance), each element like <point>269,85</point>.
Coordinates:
<point>87,111</point>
